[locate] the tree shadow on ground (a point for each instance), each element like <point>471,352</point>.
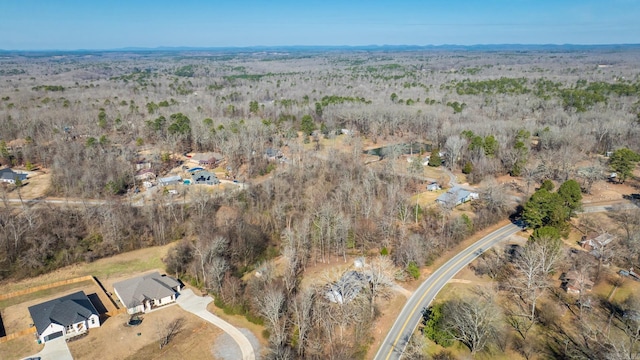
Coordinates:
<point>3,332</point>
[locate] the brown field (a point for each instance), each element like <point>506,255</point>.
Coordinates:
<point>426,198</point>
<point>115,340</point>
<point>440,175</point>
<point>19,347</point>
<point>36,185</point>
<point>606,191</point>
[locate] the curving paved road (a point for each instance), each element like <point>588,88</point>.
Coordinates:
<point>396,340</point>
<point>198,305</point>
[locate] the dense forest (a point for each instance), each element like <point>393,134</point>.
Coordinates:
<point>557,121</point>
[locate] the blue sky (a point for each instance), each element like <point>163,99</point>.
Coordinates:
<point>100,24</point>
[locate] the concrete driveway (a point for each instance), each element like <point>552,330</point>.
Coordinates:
<point>55,349</point>
<point>198,305</point>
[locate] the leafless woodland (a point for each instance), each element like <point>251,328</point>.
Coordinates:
<point>87,117</point>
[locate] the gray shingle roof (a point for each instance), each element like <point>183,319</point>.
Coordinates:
<point>66,310</point>
<point>169,179</point>
<point>204,176</point>
<point>134,291</point>
<point>9,174</point>
<point>454,195</point>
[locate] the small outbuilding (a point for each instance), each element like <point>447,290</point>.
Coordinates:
<point>142,165</point>
<point>434,186</point>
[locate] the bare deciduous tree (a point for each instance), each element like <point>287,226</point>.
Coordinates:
<point>302,309</point>
<point>210,251</point>
<point>380,273</point>
<point>495,197</point>
<point>590,174</point>
<point>630,325</point>
<point>452,148</point>
<point>416,347</point>
<point>474,321</point>
<point>217,269</point>
<point>270,307</point>
<point>167,331</point>
<point>528,279</point>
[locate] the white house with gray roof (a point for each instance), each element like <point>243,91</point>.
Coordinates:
<point>143,293</point>
<point>456,196</point>
<point>67,316</point>
<point>9,176</point>
<point>170,180</point>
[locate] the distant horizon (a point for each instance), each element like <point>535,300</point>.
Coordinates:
<point>367,46</point>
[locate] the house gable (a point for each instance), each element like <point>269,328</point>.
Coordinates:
<point>456,196</point>
<point>137,293</point>
<point>10,176</point>
<point>169,180</point>
<point>63,312</point>
<point>434,186</point>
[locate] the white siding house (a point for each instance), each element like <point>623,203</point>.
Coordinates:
<point>67,316</point>
<point>144,293</point>
<point>434,186</point>
<point>456,196</point>
<point>170,180</point>
<point>9,176</point>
